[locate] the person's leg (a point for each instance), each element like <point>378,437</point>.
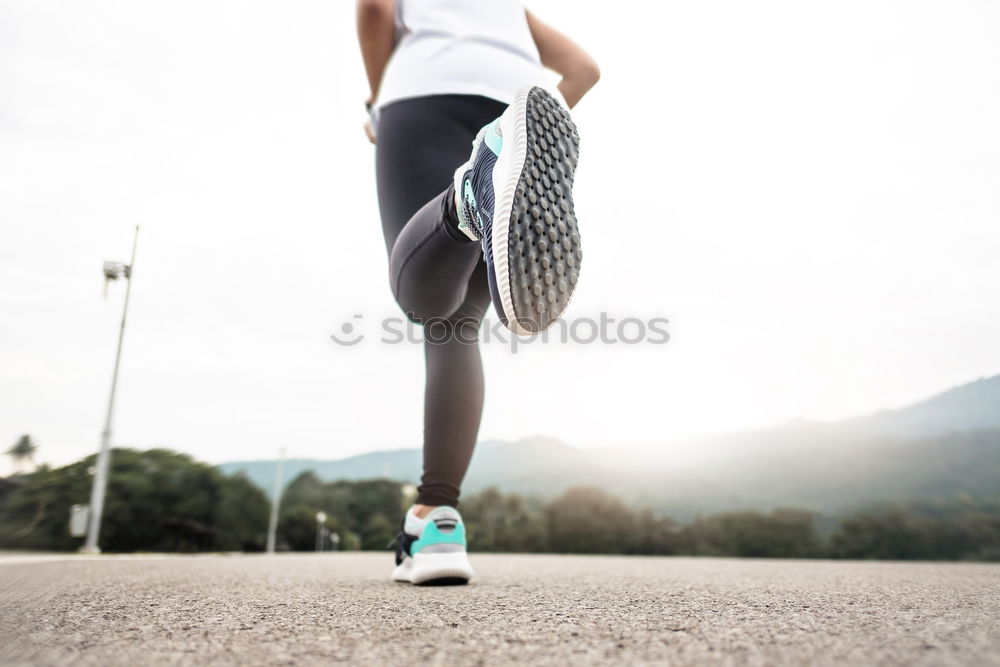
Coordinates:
<point>453,396</point>
<point>420,143</point>
<point>432,261</point>
<point>437,274</point>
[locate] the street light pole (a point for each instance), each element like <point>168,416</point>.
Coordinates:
<point>104,454</point>
<point>272,527</point>
<point>320,531</point>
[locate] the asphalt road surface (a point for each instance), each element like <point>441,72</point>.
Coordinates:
<point>554,610</point>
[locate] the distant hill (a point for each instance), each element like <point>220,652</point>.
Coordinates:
<point>401,464</point>
<point>942,447</point>
<point>970,407</point>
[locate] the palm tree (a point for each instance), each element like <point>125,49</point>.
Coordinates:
<point>23,450</point>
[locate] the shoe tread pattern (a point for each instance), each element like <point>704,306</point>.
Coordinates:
<point>545,251</point>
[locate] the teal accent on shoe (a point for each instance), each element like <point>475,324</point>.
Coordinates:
<point>493,138</point>
<point>433,535</point>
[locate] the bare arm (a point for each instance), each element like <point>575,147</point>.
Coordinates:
<point>559,53</point>
<point>377,36</point>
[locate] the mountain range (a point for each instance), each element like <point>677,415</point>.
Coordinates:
<point>944,447</point>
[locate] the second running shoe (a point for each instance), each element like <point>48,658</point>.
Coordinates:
<point>515,196</point>
<point>432,551</point>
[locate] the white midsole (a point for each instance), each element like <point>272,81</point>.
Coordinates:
<point>404,570</point>
<point>506,174</point>
<point>427,567</point>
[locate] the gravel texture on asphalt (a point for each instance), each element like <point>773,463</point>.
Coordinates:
<point>552,610</point>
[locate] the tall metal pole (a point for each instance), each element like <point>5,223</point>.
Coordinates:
<point>104,454</point>
<point>272,527</point>
<point>320,531</point>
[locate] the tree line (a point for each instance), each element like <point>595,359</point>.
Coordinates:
<point>588,520</point>
<point>159,500</point>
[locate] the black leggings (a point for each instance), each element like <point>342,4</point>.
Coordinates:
<point>437,274</point>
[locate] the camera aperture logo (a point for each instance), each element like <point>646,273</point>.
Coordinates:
<point>348,334</point>
<point>604,330</point>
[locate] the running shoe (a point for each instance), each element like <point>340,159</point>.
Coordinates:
<point>432,551</point>
<point>515,196</point>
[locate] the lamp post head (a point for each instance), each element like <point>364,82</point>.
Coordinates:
<point>116,270</point>
<point>320,517</point>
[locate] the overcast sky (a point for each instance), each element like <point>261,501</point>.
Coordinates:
<point>808,191</point>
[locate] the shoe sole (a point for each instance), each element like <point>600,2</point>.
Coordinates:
<point>441,569</point>
<point>535,242</point>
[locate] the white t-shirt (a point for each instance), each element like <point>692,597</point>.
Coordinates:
<point>471,47</point>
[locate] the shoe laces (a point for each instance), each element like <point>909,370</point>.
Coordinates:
<point>471,216</point>
<point>403,541</point>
